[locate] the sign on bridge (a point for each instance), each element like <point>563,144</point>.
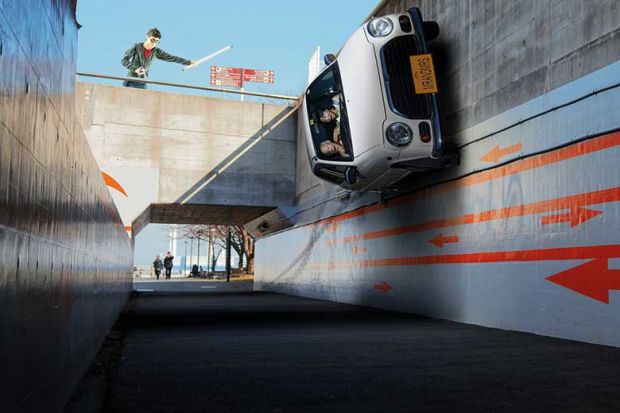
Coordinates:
<point>236,76</point>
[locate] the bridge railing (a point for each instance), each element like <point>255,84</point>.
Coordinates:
<point>189,86</point>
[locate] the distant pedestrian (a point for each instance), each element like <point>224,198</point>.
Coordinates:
<point>139,58</point>
<point>168,264</point>
<point>157,266</point>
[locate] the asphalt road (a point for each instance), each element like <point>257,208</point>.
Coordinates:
<point>184,285</point>
<point>193,349</point>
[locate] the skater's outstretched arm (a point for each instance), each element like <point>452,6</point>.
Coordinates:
<point>167,57</point>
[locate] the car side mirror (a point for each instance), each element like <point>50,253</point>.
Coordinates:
<point>350,175</point>
<point>329,58</point>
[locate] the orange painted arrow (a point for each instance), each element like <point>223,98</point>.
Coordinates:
<point>496,153</point>
<point>113,183</point>
<point>586,147</point>
<point>545,254</point>
<point>593,279</point>
<point>577,202</point>
<point>577,215</point>
<point>384,286</point>
<point>440,239</point>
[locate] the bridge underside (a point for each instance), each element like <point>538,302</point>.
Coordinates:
<point>195,214</point>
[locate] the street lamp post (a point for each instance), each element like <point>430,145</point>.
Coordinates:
<point>185,259</point>
<point>228,236</point>
<point>191,251</point>
<point>198,258</point>
<point>209,247</point>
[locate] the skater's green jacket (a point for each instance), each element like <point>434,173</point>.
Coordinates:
<point>134,58</point>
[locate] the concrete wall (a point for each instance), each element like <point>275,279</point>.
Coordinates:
<point>65,261</point>
<point>494,55</point>
<point>175,148</point>
<point>520,235</point>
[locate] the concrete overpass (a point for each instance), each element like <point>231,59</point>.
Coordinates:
<point>521,236</point>
<point>187,159</point>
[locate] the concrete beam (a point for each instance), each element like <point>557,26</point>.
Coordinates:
<point>195,214</point>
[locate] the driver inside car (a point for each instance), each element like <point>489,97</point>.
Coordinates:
<point>334,146</point>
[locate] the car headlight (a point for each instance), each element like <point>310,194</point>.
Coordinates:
<point>399,134</point>
<point>380,27</point>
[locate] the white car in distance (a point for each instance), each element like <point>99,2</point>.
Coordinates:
<point>371,117</point>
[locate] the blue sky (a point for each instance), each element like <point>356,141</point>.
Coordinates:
<point>277,35</point>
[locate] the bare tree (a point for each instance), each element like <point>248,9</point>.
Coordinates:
<point>248,248</point>
<point>199,233</point>
<point>219,245</point>
<point>243,244</point>
<point>241,241</point>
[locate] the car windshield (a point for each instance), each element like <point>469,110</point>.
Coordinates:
<point>327,115</point>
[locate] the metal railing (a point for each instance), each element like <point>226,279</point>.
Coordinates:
<point>188,86</point>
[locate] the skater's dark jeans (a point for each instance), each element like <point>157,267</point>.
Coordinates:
<point>168,272</point>
<point>137,85</point>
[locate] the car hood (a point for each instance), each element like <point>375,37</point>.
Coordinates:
<point>363,92</point>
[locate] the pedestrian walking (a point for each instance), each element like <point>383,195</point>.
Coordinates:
<point>139,58</point>
<point>157,266</point>
<point>168,264</point>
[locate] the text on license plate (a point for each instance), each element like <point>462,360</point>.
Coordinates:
<point>423,73</point>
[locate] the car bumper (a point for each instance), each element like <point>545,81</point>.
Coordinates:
<point>398,80</point>
<point>416,19</point>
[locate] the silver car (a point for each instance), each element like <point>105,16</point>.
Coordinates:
<point>371,117</point>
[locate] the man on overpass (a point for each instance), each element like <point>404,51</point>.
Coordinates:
<point>139,57</point>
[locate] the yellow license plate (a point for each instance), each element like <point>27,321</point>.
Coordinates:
<point>423,74</point>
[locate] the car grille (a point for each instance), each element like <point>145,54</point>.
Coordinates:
<point>399,79</point>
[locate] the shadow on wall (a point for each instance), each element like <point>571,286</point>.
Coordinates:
<point>451,115</point>
<point>299,264</point>
<point>248,176</point>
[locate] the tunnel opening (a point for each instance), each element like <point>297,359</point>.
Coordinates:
<point>193,251</point>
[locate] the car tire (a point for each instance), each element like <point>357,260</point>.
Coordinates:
<point>350,175</point>
<point>450,159</point>
<point>431,30</point>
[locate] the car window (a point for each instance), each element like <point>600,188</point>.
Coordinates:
<point>327,115</point>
